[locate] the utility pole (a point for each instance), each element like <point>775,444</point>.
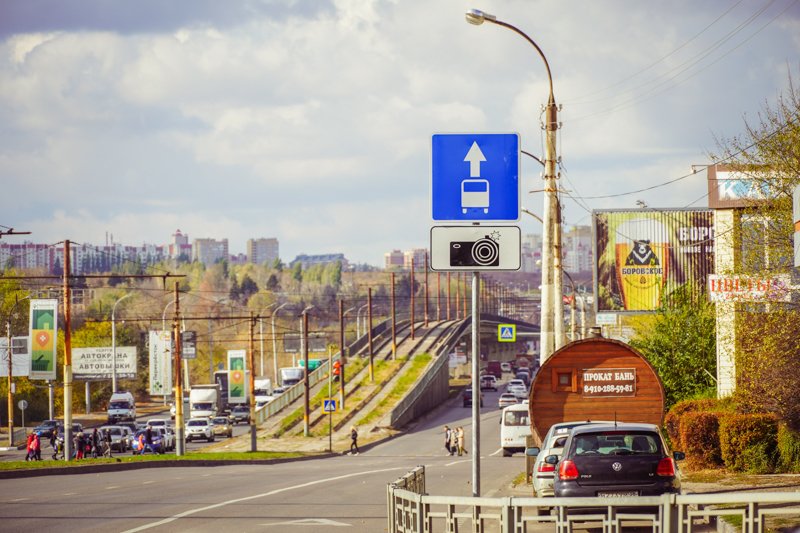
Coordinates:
<point>448,296</point>
<point>438,297</point>
<point>369,334</point>
<point>176,332</point>
<point>426,288</point>
<point>252,384</point>
<point>394,323</point>
<point>342,358</point>
<point>10,386</point>
<point>306,390</point>
<point>67,356</point>
<point>411,279</point>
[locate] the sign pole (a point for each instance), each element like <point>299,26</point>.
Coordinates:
<point>476,387</point>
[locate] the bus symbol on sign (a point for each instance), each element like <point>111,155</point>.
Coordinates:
<point>475,194</point>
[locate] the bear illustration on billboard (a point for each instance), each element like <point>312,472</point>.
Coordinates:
<point>641,254</point>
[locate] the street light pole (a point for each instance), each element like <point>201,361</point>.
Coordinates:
<point>552,304</point>
<point>275,342</point>
<point>114,343</point>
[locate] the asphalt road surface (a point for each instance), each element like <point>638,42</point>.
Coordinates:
<point>346,492</point>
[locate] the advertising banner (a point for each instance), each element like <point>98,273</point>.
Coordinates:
<point>236,376</point>
<point>644,255</point>
<point>160,363</point>
<point>43,334</point>
<point>20,357</point>
<point>608,382</point>
<point>775,288</point>
<point>98,362</point>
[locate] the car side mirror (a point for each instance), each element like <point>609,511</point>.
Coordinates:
<point>551,459</point>
<point>678,456</point>
<point>532,452</point>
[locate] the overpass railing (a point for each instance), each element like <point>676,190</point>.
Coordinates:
<point>412,511</point>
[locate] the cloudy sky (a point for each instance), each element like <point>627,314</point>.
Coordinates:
<point>311,121</point>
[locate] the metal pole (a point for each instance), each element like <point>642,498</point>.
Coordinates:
<point>342,359</point>
<point>369,333</point>
<point>67,356</point>
<point>114,343</point>
<point>306,391</point>
<point>394,323</point>
<point>261,340</point>
<point>458,295</point>
<point>176,331</point>
<point>438,296</point>
<point>448,296</point>
<point>330,389</point>
<point>252,363</point>
<point>10,385</point>
<point>411,279</point>
<point>426,289</point>
<point>476,387</point>
<point>275,343</point>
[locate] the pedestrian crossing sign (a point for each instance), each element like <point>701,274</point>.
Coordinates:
<point>329,406</point>
<point>506,333</point>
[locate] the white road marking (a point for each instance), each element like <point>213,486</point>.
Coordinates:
<point>66,493</point>
<point>310,522</point>
<point>112,487</point>
<point>19,499</point>
<point>256,496</point>
<point>490,455</point>
<point>457,462</point>
<point>143,482</point>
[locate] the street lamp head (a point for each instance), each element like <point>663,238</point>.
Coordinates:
<point>477,17</point>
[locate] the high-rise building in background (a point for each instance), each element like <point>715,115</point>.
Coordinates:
<point>531,253</point>
<point>260,251</point>
<point>180,247</point>
<point>418,255</point>
<point>393,260</point>
<point>576,249</point>
<point>209,251</point>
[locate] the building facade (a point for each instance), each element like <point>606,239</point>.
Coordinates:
<point>209,251</point>
<point>261,251</point>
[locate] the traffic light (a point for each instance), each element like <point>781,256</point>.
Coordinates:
<point>337,368</point>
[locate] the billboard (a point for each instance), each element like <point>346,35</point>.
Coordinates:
<point>98,362</point>
<point>730,187</point>
<point>20,357</point>
<point>43,334</point>
<point>160,363</point>
<point>237,390</point>
<point>643,255</point>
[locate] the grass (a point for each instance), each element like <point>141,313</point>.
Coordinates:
<point>418,365</point>
<point>190,456</point>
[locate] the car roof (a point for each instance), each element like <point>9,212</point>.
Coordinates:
<point>629,426</point>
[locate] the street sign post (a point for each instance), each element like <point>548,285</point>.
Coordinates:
<point>475,248</point>
<point>475,177</point>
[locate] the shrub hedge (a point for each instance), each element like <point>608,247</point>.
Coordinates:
<point>699,435</point>
<point>748,442</point>
<point>788,449</point>
<point>672,422</point>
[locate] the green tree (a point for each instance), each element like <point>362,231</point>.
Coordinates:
<point>768,353</point>
<point>297,272</point>
<point>273,284</point>
<point>679,341</point>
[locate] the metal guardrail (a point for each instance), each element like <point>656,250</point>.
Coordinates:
<point>412,511</point>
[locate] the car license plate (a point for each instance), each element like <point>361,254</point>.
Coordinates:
<point>617,494</point>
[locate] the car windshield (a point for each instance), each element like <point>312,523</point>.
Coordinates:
<point>221,421</point>
<point>240,409</point>
<point>118,405</point>
<point>197,423</point>
<point>616,443</point>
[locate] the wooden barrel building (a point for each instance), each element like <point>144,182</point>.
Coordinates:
<point>595,379</point>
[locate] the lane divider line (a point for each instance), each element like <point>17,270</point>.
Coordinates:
<point>256,496</point>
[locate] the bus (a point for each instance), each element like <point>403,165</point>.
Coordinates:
<point>515,428</point>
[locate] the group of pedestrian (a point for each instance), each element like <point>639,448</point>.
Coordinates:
<point>454,440</point>
<point>33,446</point>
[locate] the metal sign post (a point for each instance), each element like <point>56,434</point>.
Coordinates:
<point>476,386</point>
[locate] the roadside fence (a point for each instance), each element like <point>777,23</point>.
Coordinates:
<point>412,511</point>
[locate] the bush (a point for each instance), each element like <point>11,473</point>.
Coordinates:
<point>788,449</point>
<point>748,443</point>
<point>699,434</point>
<point>672,422</point>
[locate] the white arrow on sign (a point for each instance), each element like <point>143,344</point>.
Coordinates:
<point>475,157</point>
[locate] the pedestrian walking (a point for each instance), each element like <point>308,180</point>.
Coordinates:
<point>107,440</point>
<point>148,441</point>
<point>95,442</point>
<point>461,449</point>
<point>447,440</point>
<point>453,441</point>
<point>80,445</point>
<point>37,447</point>
<point>353,441</point>
<point>29,447</point>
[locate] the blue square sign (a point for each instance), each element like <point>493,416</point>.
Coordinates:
<point>475,177</point>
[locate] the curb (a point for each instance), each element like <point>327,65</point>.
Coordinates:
<point>118,467</point>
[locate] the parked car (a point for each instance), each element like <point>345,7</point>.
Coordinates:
<point>506,399</point>
<point>223,426</point>
<point>506,367</point>
<point>45,429</point>
<point>488,382</point>
<point>167,436</point>
<point>466,397</point>
<point>199,428</point>
<point>240,414</point>
<point>520,392</point>
<point>120,437</point>
<point>617,460</point>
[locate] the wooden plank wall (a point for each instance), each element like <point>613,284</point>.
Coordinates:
<point>549,405</point>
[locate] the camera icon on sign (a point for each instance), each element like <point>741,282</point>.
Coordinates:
<point>483,252</point>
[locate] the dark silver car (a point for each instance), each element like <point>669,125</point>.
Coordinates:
<point>616,460</point>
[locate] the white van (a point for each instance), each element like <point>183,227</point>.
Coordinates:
<point>121,407</point>
<point>515,427</point>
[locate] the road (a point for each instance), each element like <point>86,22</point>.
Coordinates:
<point>308,495</point>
